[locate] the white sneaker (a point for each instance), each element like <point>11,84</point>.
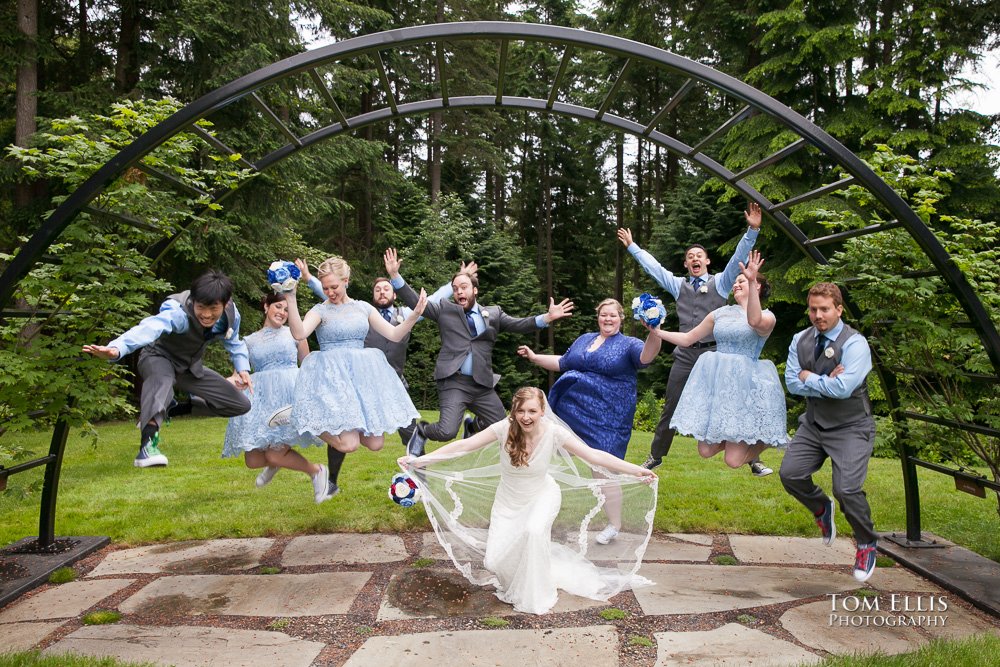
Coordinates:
<point>266,475</point>
<point>319,481</point>
<point>606,535</point>
<point>280,417</point>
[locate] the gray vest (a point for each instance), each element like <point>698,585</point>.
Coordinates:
<point>829,413</point>
<point>395,353</point>
<point>693,306</point>
<point>185,350</point>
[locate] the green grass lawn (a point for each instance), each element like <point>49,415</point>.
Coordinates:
<point>200,495</point>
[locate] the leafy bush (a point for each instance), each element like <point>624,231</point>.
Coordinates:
<point>63,575</point>
<point>915,322</point>
<point>99,282</point>
<point>647,412</point>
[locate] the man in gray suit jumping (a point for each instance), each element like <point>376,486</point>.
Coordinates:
<point>464,369</point>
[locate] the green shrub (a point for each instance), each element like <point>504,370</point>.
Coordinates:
<point>725,559</point>
<point>613,614</point>
<point>647,412</point>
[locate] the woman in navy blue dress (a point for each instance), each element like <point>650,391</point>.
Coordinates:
<point>596,394</point>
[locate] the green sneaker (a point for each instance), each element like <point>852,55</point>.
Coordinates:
<point>150,454</point>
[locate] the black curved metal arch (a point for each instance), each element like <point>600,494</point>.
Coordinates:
<point>505,31</point>
<point>756,102</point>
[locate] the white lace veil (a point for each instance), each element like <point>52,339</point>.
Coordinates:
<point>458,492</point>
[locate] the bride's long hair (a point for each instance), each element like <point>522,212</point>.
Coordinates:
<point>515,445</point>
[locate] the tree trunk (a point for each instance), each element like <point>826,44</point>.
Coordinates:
<point>436,123</point>
<point>365,209</point>
<point>549,288</point>
<point>619,213</point>
<point>127,61</point>
<point>26,101</point>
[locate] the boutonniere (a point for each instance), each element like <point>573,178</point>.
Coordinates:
<point>703,289</point>
<point>399,318</point>
<point>484,313</point>
<point>229,332</point>
<point>828,353</point>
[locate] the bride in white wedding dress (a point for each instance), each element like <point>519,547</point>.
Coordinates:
<point>512,509</point>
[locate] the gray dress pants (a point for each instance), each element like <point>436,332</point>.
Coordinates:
<point>159,378</point>
<point>848,447</point>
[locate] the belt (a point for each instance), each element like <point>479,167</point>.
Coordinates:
<point>699,346</point>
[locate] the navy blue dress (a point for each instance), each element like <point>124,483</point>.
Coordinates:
<point>596,394</point>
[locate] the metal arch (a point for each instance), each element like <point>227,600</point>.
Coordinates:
<point>755,101</point>
<point>505,31</point>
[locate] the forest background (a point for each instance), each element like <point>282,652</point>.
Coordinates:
<point>534,199</point>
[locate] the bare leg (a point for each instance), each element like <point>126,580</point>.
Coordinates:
<point>739,454</point>
<point>710,449</point>
<point>372,442</point>
<point>612,501</point>
<point>255,459</point>
<point>290,459</point>
<point>341,442</point>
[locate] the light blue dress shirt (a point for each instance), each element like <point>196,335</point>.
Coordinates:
<point>855,357</point>
<point>477,317</point>
<point>723,281</point>
<point>173,319</point>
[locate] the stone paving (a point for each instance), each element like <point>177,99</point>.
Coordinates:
<point>349,599</point>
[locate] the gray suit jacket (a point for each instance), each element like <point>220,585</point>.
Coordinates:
<point>457,341</point>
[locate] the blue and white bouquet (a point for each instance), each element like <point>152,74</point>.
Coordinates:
<point>649,309</point>
<point>283,276</point>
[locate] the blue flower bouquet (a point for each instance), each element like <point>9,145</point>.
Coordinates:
<point>283,276</point>
<point>649,309</point>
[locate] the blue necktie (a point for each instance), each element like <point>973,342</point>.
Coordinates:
<point>696,282</point>
<point>472,324</point>
<point>386,314</point>
<point>820,346</point>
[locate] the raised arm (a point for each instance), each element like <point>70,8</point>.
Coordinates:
<point>666,279</point>
<point>549,362</point>
<point>759,321</point>
<point>452,449</point>
<point>650,349</point>
<point>314,284</point>
<point>689,338</point>
<point>724,282</point>
<point>396,334</point>
<point>300,328</point>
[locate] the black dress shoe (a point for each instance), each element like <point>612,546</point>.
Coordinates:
<point>417,441</point>
<point>469,427</point>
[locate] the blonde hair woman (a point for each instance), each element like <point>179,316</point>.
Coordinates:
<point>346,395</point>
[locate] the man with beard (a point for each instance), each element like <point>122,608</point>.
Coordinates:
<point>464,369</point>
<point>384,298</point>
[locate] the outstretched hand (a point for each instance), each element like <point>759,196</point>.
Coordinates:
<point>753,215</point>
<point>752,267</point>
<point>558,310</point>
<point>625,236</point>
<point>647,476</point>
<point>102,351</point>
<point>392,263</point>
<point>303,268</point>
<point>470,269</point>
<point>421,303</point>
<point>527,353</point>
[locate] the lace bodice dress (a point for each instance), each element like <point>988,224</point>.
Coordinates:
<point>596,393</point>
<point>274,359</point>
<point>346,386</point>
<point>733,395</point>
